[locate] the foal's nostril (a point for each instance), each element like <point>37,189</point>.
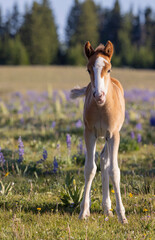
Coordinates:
<point>103,94</point>
<point>98,96</point>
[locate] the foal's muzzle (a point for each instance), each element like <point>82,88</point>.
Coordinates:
<point>99,97</point>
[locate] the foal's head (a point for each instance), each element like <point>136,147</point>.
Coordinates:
<point>99,67</point>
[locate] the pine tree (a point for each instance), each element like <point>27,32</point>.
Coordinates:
<point>7,24</point>
<point>86,28</point>
<point>1,21</point>
<point>13,52</point>
<point>136,31</point>
<point>148,28</point>
<point>39,35</point>
<point>88,24</point>
<point>72,22</point>
<point>126,50</point>
<point>15,22</point>
<point>111,24</point>
<point>145,54</point>
<point>2,30</point>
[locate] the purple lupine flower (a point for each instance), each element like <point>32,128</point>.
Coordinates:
<point>20,150</point>
<point>22,120</point>
<point>45,154</point>
<point>139,138</point>
<point>127,117</point>
<point>58,146</point>
<point>80,146</point>
<point>152,121</point>
<point>68,140</point>
<point>132,134</point>
<point>53,124</point>
<point>2,160</point>
<point>55,165</point>
<point>139,126</point>
<point>78,124</point>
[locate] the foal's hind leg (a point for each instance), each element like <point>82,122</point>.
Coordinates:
<point>114,173</point>
<point>104,163</point>
<point>89,172</point>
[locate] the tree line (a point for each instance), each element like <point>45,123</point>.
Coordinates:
<point>32,38</point>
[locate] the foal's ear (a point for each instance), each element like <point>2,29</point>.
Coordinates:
<point>108,50</point>
<point>89,51</point>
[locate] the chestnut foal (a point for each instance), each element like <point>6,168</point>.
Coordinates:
<point>103,116</point>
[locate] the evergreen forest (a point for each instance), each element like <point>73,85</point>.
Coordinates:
<point>32,38</point>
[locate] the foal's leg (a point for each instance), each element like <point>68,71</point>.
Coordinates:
<point>114,173</point>
<point>89,172</point>
<point>104,163</point>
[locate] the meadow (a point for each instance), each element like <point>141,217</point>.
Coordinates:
<point>42,156</point>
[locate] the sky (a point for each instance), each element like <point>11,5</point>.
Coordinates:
<point>61,8</point>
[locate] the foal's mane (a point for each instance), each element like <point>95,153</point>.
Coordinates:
<point>100,49</point>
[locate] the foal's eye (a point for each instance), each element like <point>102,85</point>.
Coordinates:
<point>109,71</point>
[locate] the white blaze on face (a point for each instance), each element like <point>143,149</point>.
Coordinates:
<point>99,81</point>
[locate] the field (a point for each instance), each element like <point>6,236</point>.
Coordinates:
<point>42,157</point>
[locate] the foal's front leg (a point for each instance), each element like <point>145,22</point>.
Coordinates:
<point>104,163</point>
<point>89,172</point>
<point>114,173</point>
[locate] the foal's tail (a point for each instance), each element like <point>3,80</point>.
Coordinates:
<point>78,92</point>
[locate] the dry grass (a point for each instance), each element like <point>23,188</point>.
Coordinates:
<point>65,77</point>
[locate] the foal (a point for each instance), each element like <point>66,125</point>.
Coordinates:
<point>103,116</point>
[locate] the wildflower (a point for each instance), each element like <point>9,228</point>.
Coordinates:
<point>68,141</point>
<point>145,210</point>
<point>2,160</point>
<point>132,134</point>
<point>112,191</point>
<point>20,150</point>
<point>78,124</point>
<point>139,138</point>
<point>106,219</point>
<point>130,195</point>
<point>39,209</point>
<point>58,149</point>
<point>152,121</point>
<point>44,156</point>
<point>139,126</point>
<point>55,165</point>
<point>58,146</point>
<point>53,124</point>
<point>6,174</point>
<point>80,147</point>
<point>111,210</point>
<point>127,117</point>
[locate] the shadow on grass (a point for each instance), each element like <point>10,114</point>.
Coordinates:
<point>36,208</point>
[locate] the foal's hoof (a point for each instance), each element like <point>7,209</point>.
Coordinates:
<point>108,213</point>
<point>123,220</point>
<point>84,215</point>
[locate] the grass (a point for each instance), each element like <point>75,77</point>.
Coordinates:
<point>37,215</point>
<point>30,193</point>
<point>39,78</point>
